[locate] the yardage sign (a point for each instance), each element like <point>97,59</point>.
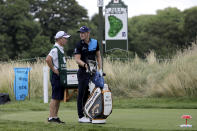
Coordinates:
<point>116,25</point>
<point>21,83</point>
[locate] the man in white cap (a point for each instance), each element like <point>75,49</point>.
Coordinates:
<point>57,64</point>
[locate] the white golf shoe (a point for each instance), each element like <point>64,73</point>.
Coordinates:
<point>84,120</point>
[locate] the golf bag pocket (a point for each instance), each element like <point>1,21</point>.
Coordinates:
<point>94,104</point>
<point>99,104</point>
<point>107,102</point>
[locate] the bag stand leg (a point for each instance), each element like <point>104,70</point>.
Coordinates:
<point>98,121</point>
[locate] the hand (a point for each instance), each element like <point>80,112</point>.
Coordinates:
<point>86,66</point>
<point>56,71</point>
<point>101,72</point>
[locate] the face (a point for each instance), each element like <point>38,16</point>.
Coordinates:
<point>84,35</point>
<point>63,41</point>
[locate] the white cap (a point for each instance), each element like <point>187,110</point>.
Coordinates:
<point>60,34</point>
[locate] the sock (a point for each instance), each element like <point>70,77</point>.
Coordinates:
<point>50,118</point>
<point>53,117</point>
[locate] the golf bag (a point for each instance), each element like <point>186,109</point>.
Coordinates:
<point>99,104</point>
<point>4,97</point>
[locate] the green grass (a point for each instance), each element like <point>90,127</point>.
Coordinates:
<point>128,114</point>
<point>158,119</point>
<point>168,103</point>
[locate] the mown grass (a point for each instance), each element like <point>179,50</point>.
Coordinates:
<point>118,103</point>
<point>128,114</point>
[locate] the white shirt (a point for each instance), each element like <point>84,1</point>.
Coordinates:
<point>54,54</point>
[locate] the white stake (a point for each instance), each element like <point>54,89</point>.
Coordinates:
<point>45,83</point>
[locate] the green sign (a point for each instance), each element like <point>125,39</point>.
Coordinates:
<point>116,25</point>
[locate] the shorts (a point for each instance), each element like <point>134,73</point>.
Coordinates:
<point>57,90</point>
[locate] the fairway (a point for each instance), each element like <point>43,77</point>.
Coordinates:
<point>145,119</point>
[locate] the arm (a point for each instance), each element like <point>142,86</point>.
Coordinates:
<point>50,64</point>
<point>98,58</point>
<point>79,61</point>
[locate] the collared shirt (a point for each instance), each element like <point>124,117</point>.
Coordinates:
<point>54,54</point>
<point>87,51</point>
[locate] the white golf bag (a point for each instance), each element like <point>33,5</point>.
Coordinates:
<point>99,104</point>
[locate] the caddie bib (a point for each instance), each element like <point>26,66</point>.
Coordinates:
<point>62,68</point>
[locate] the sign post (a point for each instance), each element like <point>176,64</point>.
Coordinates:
<point>100,34</point>
<point>116,25</point>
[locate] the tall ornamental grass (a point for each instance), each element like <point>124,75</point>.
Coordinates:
<point>154,78</point>
<point>36,76</point>
<point>133,78</point>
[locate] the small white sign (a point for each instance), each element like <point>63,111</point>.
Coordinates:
<point>72,79</point>
<point>100,3</point>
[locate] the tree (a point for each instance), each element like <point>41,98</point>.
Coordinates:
<point>55,15</point>
<point>18,30</point>
<point>190,24</point>
<point>162,33</point>
<point>95,26</point>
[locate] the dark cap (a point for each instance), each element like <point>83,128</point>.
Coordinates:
<point>83,29</point>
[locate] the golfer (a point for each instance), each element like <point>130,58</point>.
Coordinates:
<point>86,49</point>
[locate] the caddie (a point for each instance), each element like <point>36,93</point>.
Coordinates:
<point>57,64</point>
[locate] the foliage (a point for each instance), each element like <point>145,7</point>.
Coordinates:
<point>153,77</point>
<point>119,54</point>
<point>28,28</point>
<point>19,31</point>
<point>55,15</point>
<point>190,24</point>
<point>162,33</point>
